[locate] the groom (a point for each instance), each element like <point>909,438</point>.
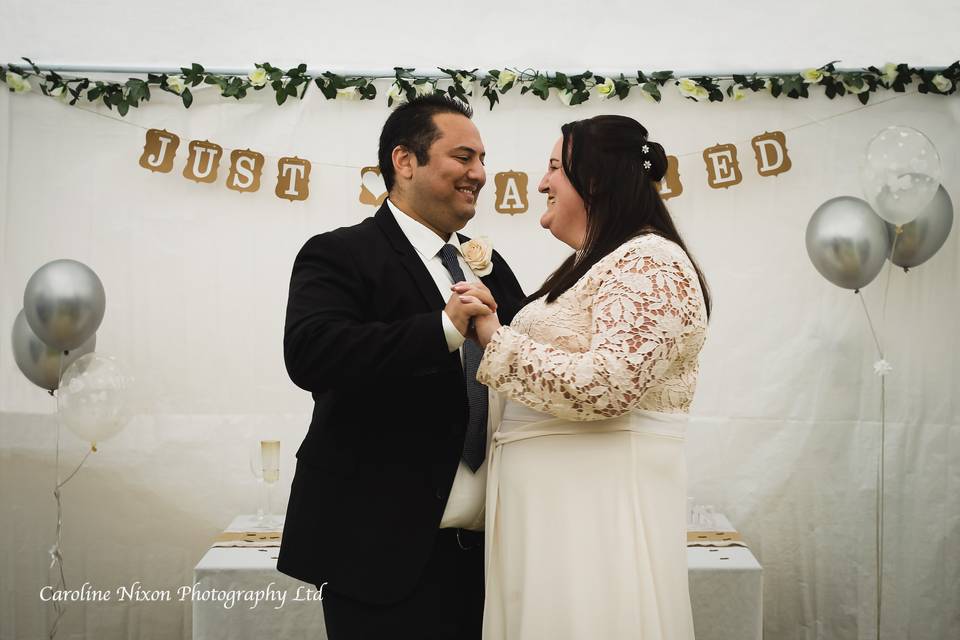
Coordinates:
<point>386,506</point>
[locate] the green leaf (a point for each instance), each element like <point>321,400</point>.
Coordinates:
<point>281,97</point>
<point>864,97</point>
<point>187,98</point>
<point>122,108</point>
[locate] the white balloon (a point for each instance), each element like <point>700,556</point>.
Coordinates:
<point>900,173</point>
<point>93,398</point>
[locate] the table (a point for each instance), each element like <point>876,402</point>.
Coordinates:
<point>726,591</point>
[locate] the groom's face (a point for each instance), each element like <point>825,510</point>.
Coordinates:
<point>443,192</point>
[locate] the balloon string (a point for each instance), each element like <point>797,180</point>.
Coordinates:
<point>883,438</point>
<point>880,501</point>
<point>876,341</point>
<point>56,554</point>
<point>886,290</point>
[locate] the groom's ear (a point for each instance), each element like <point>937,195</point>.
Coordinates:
<point>404,162</point>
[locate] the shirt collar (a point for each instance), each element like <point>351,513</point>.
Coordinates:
<point>424,240</point>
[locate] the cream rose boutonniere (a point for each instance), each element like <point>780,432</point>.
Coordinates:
<point>478,254</point>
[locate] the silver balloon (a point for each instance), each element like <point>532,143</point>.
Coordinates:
<point>847,242</point>
<point>64,303</point>
<point>39,362</point>
<point>923,237</point>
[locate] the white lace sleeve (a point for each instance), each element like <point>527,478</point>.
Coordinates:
<point>641,309</point>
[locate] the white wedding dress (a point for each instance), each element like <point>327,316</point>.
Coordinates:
<point>586,488</point>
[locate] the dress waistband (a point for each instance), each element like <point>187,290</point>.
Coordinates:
<point>520,422</point>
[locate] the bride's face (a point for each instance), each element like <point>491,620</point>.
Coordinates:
<point>565,217</point>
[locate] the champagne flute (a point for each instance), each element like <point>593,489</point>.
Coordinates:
<point>265,467</point>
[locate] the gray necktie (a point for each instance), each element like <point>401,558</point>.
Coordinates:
<point>475,444</point>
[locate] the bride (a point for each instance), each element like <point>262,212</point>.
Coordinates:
<point>586,494</point>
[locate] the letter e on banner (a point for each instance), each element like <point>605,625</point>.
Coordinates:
<point>670,186</point>
<point>203,161</point>
<point>293,179</point>
<point>159,150</point>
<point>771,152</point>
<point>723,170</point>
<point>245,169</point>
<point>511,192</point>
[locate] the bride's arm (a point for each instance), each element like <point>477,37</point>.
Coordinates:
<point>639,311</point>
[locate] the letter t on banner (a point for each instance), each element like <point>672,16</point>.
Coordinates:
<point>293,179</point>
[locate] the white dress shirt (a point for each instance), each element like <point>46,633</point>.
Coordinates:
<point>465,506</point>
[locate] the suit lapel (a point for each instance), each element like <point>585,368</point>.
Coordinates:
<point>408,257</point>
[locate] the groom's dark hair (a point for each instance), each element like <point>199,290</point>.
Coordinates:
<point>411,126</point>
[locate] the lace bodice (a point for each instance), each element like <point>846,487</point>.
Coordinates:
<point>626,336</point>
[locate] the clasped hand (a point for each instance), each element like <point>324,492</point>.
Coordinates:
<point>473,311</point>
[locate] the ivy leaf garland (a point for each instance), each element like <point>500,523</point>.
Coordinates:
<point>572,89</point>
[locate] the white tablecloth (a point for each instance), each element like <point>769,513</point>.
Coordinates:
<point>726,590</point>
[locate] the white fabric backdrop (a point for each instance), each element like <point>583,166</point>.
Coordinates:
<point>785,433</point>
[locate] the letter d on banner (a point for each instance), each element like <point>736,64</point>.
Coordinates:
<point>771,152</point>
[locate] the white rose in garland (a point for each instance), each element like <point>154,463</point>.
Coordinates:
<point>505,78</point>
<point>60,93</point>
<point>889,73</point>
<point>348,93</point>
<point>425,88</point>
<point>258,77</point>
<point>812,76</point>
<point>607,89</point>
<point>565,96</point>
<point>941,83</point>
<point>396,94</point>
<point>690,89</point>
<point>737,93</point>
<point>855,89</point>
<point>175,83</point>
<point>18,83</point>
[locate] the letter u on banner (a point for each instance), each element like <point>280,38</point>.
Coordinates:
<point>203,162</point>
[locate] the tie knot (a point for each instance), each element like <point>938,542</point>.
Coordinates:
<point>448,256</point>
<point>448,252</point>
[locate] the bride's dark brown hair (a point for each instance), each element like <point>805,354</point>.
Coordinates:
<point>603,158</point>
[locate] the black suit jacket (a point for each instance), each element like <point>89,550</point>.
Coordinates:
<point>364,336</point>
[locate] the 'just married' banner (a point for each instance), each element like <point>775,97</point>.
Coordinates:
<point>721,165</point>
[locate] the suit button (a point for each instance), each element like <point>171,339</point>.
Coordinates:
<point>439,494</point>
